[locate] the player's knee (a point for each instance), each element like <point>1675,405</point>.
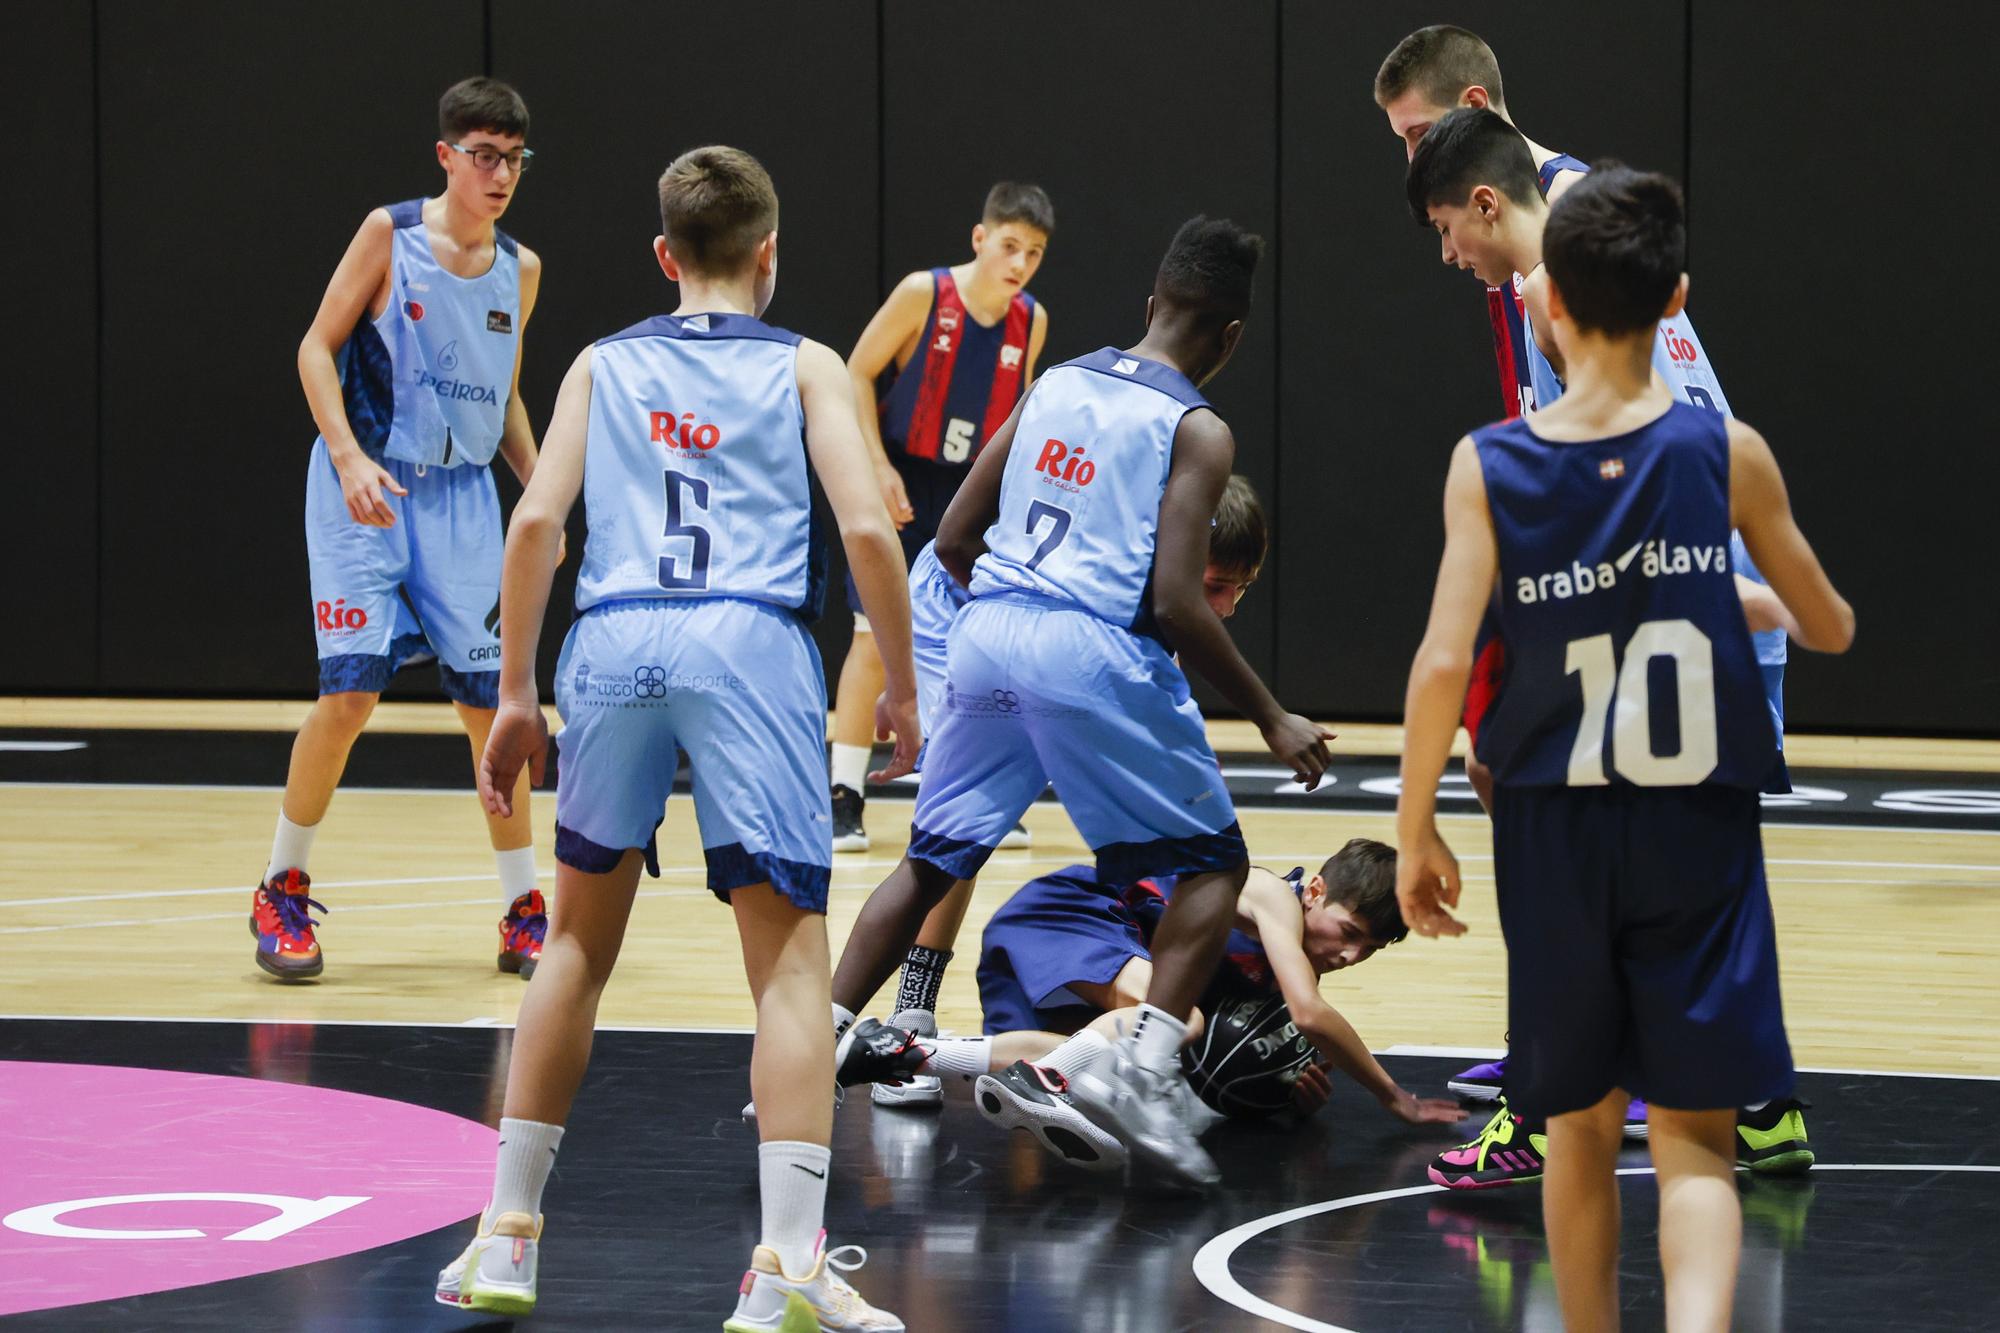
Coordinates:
<point>348,710</point>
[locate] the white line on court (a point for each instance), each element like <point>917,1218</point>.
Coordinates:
<point>1211,1262</point>
<point>1302,808</point>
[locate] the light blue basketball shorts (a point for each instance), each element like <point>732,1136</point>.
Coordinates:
<point>384,598</point>
<point>935,599</point>
<point>1039,691</point>
<point>734,684</point>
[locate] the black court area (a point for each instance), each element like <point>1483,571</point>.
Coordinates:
<point>1325,1226</point>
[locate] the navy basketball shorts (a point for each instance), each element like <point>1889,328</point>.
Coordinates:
<point>384,598</point>
<point>1640,948</point>
<point>734,684</point>
<point>1055,932</point>
<point>1040,691</point>
<point>930,487</point>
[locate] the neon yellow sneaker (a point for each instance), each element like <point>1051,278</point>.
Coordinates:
<point>1507,1152</point>
<point>496,1274</point>
<point>1772,1140</point>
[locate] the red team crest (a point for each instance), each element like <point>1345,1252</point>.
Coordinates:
<point>415,310</point>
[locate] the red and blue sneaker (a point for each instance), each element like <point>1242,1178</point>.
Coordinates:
<point>522,931</point>
<point>1508,1151</point>
<point>284,928</point>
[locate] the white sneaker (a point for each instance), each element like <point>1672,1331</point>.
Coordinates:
<point>1147,1113</point>
<point>769,1301</point>
<point>921,1091</point>
<point>496,1273</point>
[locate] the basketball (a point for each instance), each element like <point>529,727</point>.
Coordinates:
<point>1246,1060</point>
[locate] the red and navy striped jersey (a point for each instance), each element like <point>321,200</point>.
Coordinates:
<point>962,381</point>
<point>1512,352</point>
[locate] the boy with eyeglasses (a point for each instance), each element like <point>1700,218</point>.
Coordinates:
<point>412,371</point>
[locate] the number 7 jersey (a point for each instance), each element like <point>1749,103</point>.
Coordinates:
<point>1629,660</point>
<point>695,476</point>
<point>1080,498</point>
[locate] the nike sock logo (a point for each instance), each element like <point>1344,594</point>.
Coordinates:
<point>809,1171</point>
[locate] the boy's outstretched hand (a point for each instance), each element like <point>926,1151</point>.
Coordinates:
<point>520,736</point>
<point>1414,1110</point>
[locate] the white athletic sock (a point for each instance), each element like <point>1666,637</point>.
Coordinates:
<point>849,766</point>
<point>1077,1055</point>
<point>843,1019</point>
<point>791,1178</point>
<point>517,873</point>
<point>290,848</point>
<point>968,1057</point>
<point>1157,1039</point>
<point>527,1151</point>
<point>1757,1106</point>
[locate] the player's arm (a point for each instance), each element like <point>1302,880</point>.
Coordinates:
<point>1038,336</point>
<point>1762,609</point>
<point>517,435</point>
<point>534,537</point>
<point>961,538</point>
<point>1275,913</point>
<point>840,460</point>
<point>360,275</point>
<point>1535,297</point>
<point>1203,453</point>
<point>900,319</point>
<point>1762,511</point>
<point>1426,872</point>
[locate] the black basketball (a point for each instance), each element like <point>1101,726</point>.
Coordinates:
<point>1247,1058</point>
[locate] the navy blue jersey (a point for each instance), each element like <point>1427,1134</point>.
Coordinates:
<point>962,381</point>
<point>1629,662</point>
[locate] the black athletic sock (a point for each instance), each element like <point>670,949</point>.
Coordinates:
<point>923,976</point>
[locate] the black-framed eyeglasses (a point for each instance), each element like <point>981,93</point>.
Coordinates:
<point>487,158</point>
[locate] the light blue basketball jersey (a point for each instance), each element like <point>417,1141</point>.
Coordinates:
<point>428,381</point>
<point>695,479</point>
<point>1080,498</point>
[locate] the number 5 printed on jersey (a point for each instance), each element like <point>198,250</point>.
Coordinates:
<point>696,575</point>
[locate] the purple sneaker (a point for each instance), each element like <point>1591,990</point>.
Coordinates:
<point>1481,1083</point>
<point>1635,1120</point>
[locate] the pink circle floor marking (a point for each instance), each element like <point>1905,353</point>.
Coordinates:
<point>337,1172</point>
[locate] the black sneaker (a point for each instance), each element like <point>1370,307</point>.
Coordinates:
<point>1025,1096</point>
<point>848,835</point>
<point>873,1052</point>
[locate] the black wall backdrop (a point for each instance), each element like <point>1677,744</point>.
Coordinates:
<point>186,174</point>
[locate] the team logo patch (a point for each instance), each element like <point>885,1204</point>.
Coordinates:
<point>947,319</point>
<point>414,309</point>
<point>1010,357</point>
<point>499,321</point>
<point>1611,469</point>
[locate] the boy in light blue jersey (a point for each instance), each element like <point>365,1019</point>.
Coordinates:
<point>1236,550</point>
<point>412,371</point>
<point>693,438</point>
<point>1082,536</point>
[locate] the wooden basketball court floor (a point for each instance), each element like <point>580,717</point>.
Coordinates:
<point>122,945</point>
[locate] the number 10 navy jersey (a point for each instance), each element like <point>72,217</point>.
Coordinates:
<point>1629,660</point>
<point>695,479</point>
<point>1080,498</point>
